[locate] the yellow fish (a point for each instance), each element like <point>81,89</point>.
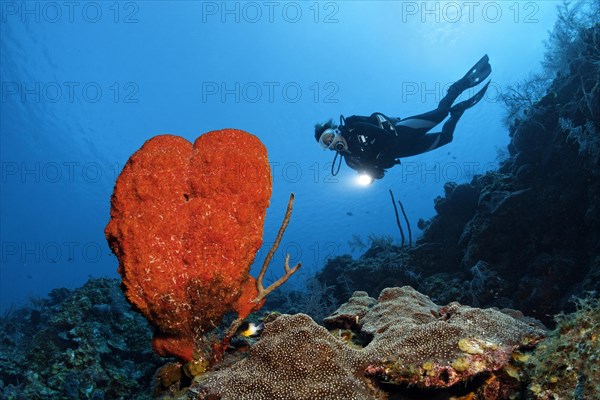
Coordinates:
<point>250,329</point>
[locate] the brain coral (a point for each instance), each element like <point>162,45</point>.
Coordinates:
<point>414,342</point>
<point>295,359</point>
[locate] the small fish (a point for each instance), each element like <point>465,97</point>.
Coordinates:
<point>349,213</point>
<point>250,329</point>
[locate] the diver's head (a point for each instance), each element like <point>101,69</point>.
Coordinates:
<point>320,128</point>
<point>326,138</point>
<point>332,139</point>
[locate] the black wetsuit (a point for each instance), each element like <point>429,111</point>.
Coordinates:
<point>377,142</point>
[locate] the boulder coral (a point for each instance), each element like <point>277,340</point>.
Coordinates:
<point>418,343</point>
<point>413,345</point>
<point>186,223</point>
<point>294,359</point>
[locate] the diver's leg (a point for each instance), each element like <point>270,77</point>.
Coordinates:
<point>478,72</point>
<point>459,109</point>
<point>431,141</point>
<point>422,123</point>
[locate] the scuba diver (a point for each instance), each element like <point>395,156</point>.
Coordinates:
<point>371,145</point>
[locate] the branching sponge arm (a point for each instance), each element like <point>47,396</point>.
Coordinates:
<point>262,292</point>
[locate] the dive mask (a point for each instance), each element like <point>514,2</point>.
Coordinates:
<point>331,139</point>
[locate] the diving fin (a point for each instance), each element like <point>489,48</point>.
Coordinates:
<point>477,73</point>
<point>460,108</point>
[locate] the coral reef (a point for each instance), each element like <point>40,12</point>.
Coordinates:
<point>383,265</point>
<point>437,249</point>
<point>417,343</point>
<point>186,223</point>
<point>539,210</point>
<point>567,364</point>
<point>80,344</point>
<point>412,344</point>
<point>316,300</point>
<point>294,359</point>
<point>89,344</point>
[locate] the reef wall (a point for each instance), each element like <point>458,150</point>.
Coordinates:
<point>524,236</point>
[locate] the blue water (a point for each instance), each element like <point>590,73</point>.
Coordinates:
<point>84,84</point>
